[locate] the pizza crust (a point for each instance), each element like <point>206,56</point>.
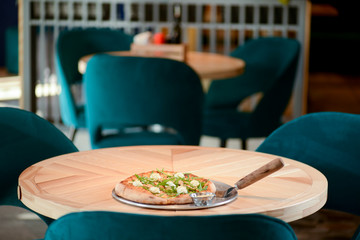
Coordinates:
<point>127,190</point>
<point>138,195</point>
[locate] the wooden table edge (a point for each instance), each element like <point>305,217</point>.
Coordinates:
<point>318,193</point>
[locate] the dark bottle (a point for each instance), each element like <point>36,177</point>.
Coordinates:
<point>176,34</point>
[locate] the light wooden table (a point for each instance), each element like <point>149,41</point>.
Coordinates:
<point>209,66</point>
<point>84,181</point>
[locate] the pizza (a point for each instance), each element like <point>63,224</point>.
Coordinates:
<point>162,187</point>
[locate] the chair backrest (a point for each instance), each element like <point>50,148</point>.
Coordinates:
<point>125,92</point>
<point>356,235</point>
<point>70,47</point>
<point>329,142</point>
<point>271,64</point>
<point>25,139</point>
<point>115,225</point>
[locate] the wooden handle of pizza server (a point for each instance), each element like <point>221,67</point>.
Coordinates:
<point>260,173</point>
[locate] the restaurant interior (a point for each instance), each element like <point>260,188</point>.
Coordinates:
<point>213,110</point>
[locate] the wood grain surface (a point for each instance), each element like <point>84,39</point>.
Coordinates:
<point>206,65</point>
<point>84,181</point>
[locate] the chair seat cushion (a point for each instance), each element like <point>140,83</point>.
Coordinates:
<point>139,138</point>
<point>81,121</point>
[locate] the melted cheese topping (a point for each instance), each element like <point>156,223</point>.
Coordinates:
<point>137,183</point>
<point>154,189</point>
<point>155,177</point>
<point>179,175</point>
<point>181,189</point>
<point>194,183</point>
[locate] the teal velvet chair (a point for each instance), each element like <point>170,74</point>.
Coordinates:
<point>124,226</point>
<point>70,47</point>
<point>270,70</point>
<point>142,101</point>
<point>328,141</point>
<point>356,235</point>
<point>12,50</point>
<point>25,139</point>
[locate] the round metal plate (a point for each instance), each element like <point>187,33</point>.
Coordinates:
<point>217,202</point>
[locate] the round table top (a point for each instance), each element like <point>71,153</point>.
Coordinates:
<point>83,181</point>
<point>206,65</point>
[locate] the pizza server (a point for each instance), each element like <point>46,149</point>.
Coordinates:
<point>253,177</point>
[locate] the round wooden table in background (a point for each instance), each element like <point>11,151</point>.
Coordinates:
<point>84,181</point>
<point>209,66</point>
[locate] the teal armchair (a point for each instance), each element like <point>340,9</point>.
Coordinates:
<point>271,65</point>
<point>142,101</point>
<point>25,139</point>
<point>124,226</point>
<point>329,142</point>
<point>70,47</point>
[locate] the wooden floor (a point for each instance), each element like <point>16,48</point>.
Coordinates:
<point>326,224</point>
<point>334,92</point>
